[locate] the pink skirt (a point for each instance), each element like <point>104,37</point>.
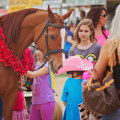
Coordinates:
<point>19,115</point>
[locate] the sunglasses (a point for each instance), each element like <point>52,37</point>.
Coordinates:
<point>104,15</point>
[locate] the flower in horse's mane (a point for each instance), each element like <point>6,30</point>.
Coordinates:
<point>7,57</point>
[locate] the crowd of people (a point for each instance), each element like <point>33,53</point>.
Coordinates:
<point>89,45</point>
<point>92,41</point>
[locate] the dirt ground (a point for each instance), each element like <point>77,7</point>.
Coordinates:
<point>59,81</point>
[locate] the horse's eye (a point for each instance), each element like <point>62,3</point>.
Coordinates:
<point>52,37</point>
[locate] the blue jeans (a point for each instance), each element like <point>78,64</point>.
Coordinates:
<point>113,116</point>
<point>1,109</point>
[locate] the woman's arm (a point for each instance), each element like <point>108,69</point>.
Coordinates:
<point>40,72</point>
<point>102,62</point>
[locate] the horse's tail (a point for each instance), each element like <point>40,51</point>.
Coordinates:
<point>57,112</point>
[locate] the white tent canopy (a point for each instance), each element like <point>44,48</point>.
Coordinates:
<point>85,2</point>
<point>4,4</point>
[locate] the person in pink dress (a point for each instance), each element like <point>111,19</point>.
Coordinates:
<point>20,109</point>
<point>99,17</point>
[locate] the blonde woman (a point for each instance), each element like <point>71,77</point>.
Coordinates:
<point>43,101</point>
<point>85,44</point>
<point>110,49</point>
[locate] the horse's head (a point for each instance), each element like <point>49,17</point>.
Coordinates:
<point>51,42</point>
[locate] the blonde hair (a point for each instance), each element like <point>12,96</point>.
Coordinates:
<point>115,31</point>
<point>35,56</point>
<point>88,22</point>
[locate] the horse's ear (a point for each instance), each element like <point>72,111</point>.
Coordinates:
<point>65,16</point>
<point>50,14</point>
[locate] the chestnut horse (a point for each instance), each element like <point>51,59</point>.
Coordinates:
<point>36,25</point>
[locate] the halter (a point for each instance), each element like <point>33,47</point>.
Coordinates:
<point>48,53</point>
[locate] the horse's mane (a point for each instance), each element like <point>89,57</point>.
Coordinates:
<point>12,21</point>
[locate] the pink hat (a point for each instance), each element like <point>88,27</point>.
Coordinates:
<point>75,63</point>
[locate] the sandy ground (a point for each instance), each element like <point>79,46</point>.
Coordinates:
<point>59,81</point>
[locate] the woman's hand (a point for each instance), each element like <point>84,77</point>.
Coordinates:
<point>27,115</point>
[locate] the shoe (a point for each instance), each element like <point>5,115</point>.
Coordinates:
<point>21,88</point>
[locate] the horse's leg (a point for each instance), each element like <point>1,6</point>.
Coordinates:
<point>9,102</point>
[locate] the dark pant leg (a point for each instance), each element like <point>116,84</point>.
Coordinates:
<point>66,55</point>
<point>1,109</point>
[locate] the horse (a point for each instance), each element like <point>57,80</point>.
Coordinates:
<point>21,29</point>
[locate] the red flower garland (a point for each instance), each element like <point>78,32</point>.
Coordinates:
<point>7,57</point>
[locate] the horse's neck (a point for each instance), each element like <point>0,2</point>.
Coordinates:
<point>28,26</point>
